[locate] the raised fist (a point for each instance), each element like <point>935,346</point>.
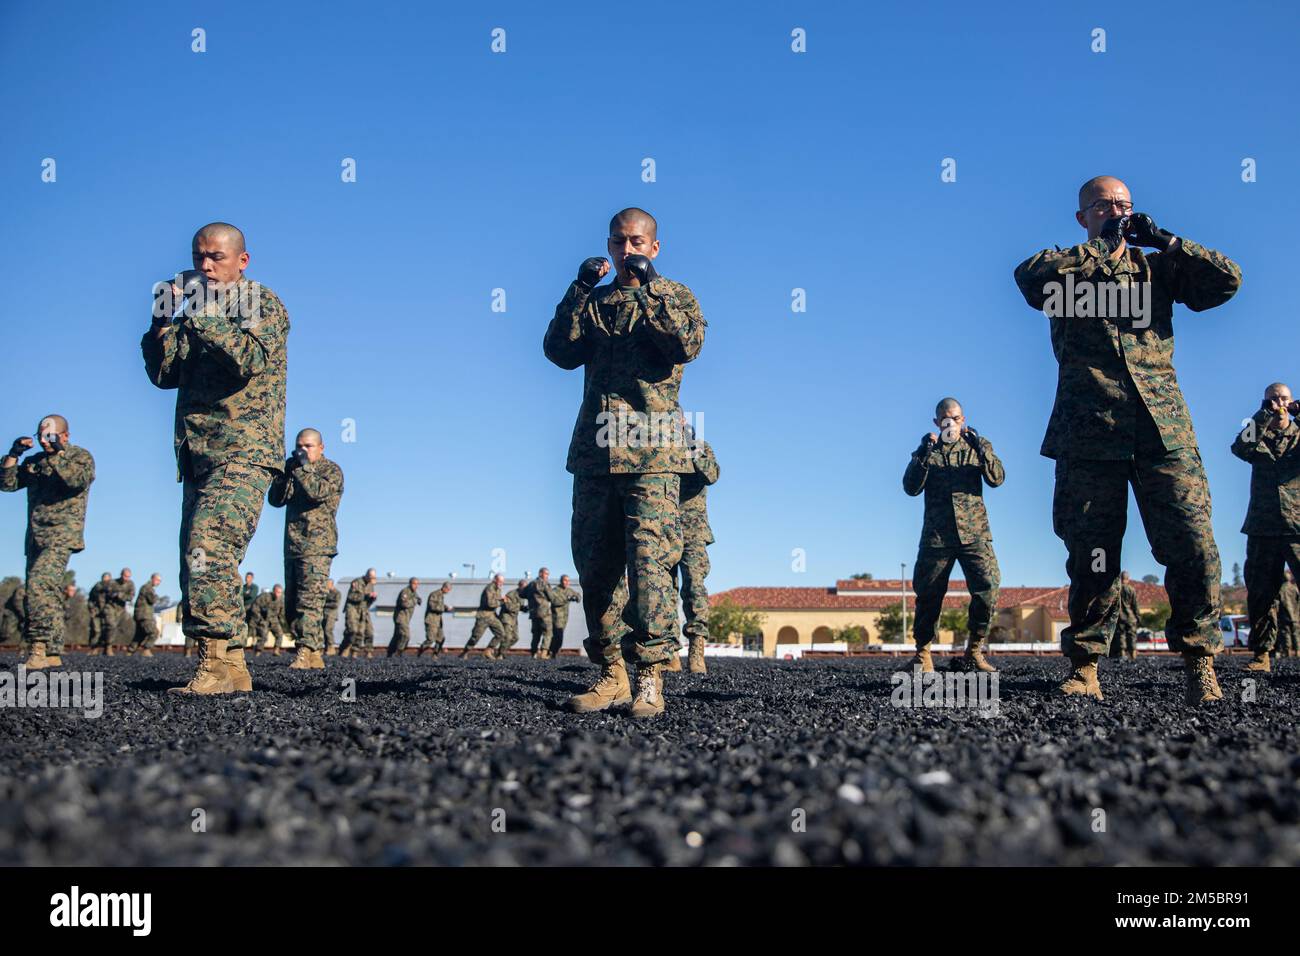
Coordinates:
<point>19,446</point>
<point>593,270</point>
<point>1112,233</point>
<point>640,268</point>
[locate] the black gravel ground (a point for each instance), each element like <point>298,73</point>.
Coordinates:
<point>759,762</point>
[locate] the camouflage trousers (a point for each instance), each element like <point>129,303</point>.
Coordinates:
<point>358,630</point>
<point>1090,513</point>
<point>433,636</point>
<point>934,566</point>
<point>45,601</point>
<point>95,628</point>
<point>260,626</point>
<point>327,628</point>
<point>219,514</point>
<point>1125,640</point>
<point>487,621</point>
<point>691,572</point>
<point>304,597</point>
<point>557,637</point>
<point>105,625</point>
<point>1266,558</point>
<point>543,631</point>
<point>146,632</point>
<point>1288,641</point>
<point>626,539</point>
<point>401,636</point>
<point>509,634</point>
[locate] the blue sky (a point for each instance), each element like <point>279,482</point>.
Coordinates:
<point>775,171</point>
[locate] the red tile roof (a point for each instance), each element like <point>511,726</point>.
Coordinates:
<point>1051,599</point>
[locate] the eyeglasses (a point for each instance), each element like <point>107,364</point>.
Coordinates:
<point>1101,205</point>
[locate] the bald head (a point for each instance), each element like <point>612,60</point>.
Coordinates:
<point>946,407</point>
<point>53,423</point>
<point>1278,390</point>
<point>637,218</point>
<point>1099,187</point>
<point>222,232</point>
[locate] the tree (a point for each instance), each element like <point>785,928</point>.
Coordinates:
<point>1236,575</point>
<point>1156,618</point>
<point>850,634</point>
<point>727,618</point>
<point>861,577</point>
<point>955,620</point>
<point>1150,579</point>
<point>890,624</point>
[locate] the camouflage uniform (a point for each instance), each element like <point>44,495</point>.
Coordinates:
<point>560,616</point>
<point>229,368</point>
<point>358,629</point>
<point>540,597</point>
<point>95,608</point>
<point>248,592</point>
<point>146,628</point>
<point>407,601</point>
<point>1288,619</point>
<point>633,344</point>
<point>57,488</point>
<point>267,615</point>
<point>330,614</point>
<point>696,538</point>
<point>1125,642</point>
<point>13,616</point>
<point>310,493</point>
<point>116,597</point>
<point>1120,419</point>
<point>1272,526</point>
<point>486,618</point>
<point>955,530</point>
<point>511,605</point>
<point>434,609</point>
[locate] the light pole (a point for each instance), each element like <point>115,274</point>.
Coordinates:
<point>471,569</point>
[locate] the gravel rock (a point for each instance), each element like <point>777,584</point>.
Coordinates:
<point>443,761</point>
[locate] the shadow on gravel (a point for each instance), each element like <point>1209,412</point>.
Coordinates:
<point>564,686</point>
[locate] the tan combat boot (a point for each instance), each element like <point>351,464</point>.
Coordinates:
<point>465,652</point>
<point>975,655</point>
<point>236,669</point>
<point>108,650</point>
<point>674,663</point>
<point>923,660</point>
<point>212,676</point>
<point>1202,685</point>
<point>649,690</point>
<point>189,650</point>
<point>370,653</point>
<point>491,653</point>
<point>53,660</point>
<point>1083,678</point>
<point>1260,662</point>
<point>302,660</point>
<point>696,659</point>
<point>147,652</point>
<point>611,689</point>
<point>36,659</point>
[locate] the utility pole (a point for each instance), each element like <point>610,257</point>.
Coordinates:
<point>471,569</point>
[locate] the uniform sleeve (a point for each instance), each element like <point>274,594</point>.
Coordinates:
<point>917,470</point>
<point>161,357</point>
<point>76,470</point>
<point>247,347</point>
<point>11,478</point>
<point>1257,450</point>
<point>281,490</point>
<point>706,464</point>
<point>1200,278</point>
<point>575,596</point>
<point>564,343</point>
<point>674,321</point>
<point>990,465</point>
<point>318,482</point>
<point>1051,265</point>
<point>356,595</point>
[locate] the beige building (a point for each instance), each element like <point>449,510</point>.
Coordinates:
<point>810,615</point>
